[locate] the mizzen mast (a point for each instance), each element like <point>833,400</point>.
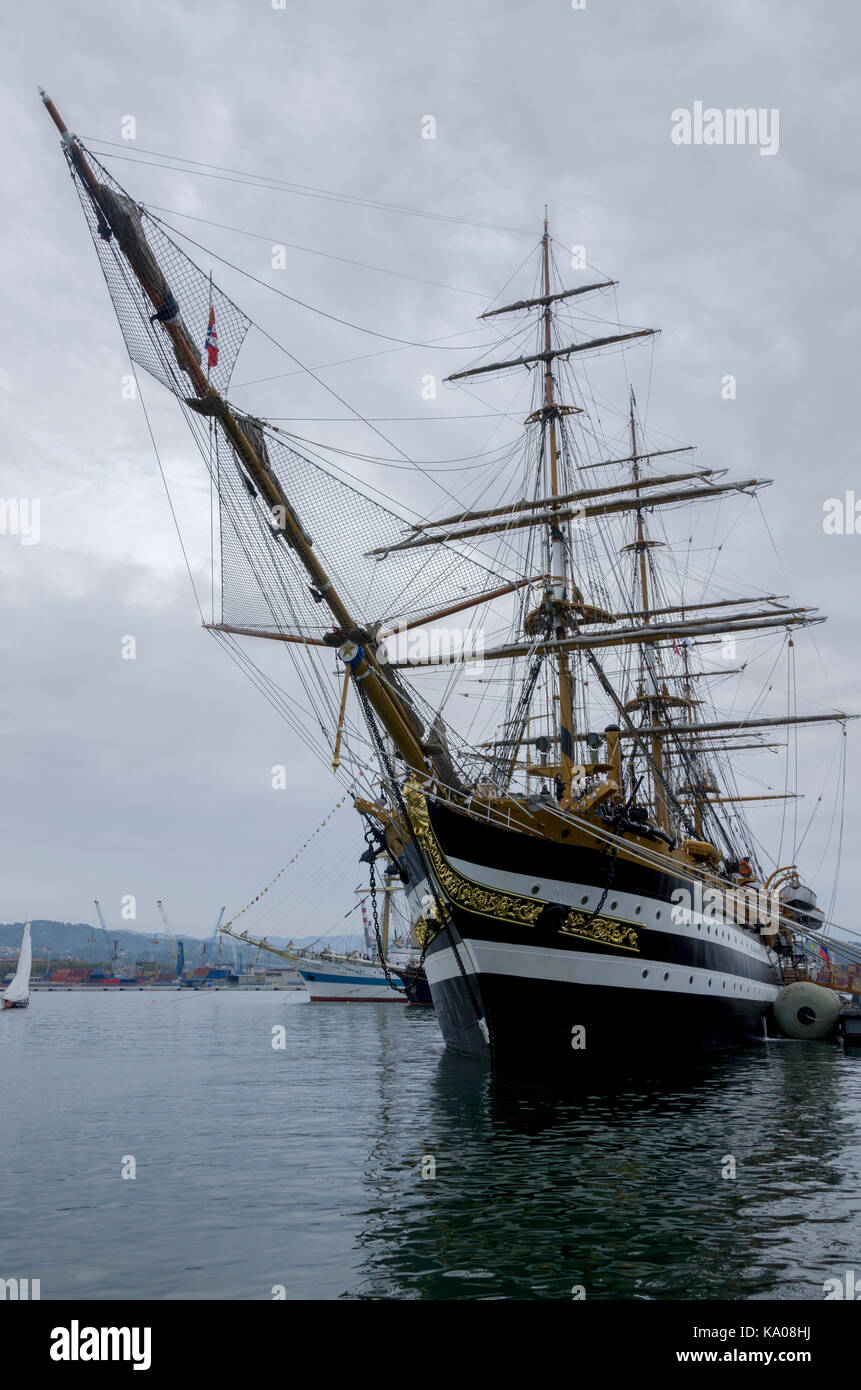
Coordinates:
<point>649,693</point>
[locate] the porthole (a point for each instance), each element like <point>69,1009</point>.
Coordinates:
<point>613,906</point>
<point>699,926</point>
<point>690,979</point>
<point>638,909</point>
<point>536,887</point>
<point>666,974</point>
<point>645,973</point>
<point>584,900</point>
<point>710,983</point>
<point>657,915</point>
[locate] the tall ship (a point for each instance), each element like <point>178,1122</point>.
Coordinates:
<point>577,849</point>
<point>384,974</point>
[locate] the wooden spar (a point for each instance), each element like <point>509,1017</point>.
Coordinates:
<point>704,675</point>
<point>393,713</point>
<point>622,504</point>
<point>654,454</point>
<point>624,637</point>
<point>270,636</point>
<point>458,607</point>
<point>720,725</point>
<point>262,944</point>
<point>700,748</point>
<point>336,756</point>
<point>390,632</point>
<point>581,496</point>
<point>718,603</point>
<point>770,796</point>
<point>700,608</point>
<point>705,750</point>
<point>550,353</point>
<point>546,299</point>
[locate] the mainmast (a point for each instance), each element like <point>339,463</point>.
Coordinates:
<point>557,591</point>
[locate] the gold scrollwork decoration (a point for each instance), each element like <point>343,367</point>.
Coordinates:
<point>508,907</point>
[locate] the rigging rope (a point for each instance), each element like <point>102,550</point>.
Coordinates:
<point>253,901</point>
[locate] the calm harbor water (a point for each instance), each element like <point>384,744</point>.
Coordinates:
<point>302,1166</point>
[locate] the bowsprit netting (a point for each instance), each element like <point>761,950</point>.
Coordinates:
<point>265,587</point>
<point>173,277</point>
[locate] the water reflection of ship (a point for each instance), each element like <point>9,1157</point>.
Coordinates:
<point>534,1195</point>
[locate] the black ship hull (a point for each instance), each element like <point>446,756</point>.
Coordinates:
<point>530,976</point>
<point>415,982</point>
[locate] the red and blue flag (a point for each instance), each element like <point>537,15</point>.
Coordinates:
<point>212,340</point>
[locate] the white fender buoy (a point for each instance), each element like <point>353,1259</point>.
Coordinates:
<point>805,1010</point>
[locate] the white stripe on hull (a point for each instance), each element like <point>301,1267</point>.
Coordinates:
<point>586,968</point>
<point>333,984</point>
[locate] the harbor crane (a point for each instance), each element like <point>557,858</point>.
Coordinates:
<point>209,943</point>
<point>104,926</point>
<point>179,948</point>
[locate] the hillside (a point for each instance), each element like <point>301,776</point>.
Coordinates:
<point>81,941</point>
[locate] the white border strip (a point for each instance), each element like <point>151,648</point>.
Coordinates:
<point>582,968</point>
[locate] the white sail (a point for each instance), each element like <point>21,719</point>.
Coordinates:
<point>19,989</point>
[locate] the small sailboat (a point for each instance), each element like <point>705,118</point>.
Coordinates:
<point>17,994</point>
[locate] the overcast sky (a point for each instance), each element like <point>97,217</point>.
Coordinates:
<point>153,777</point>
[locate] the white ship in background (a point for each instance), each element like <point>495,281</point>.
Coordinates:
<point>333,977</point>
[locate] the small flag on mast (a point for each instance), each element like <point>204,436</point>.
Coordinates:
<point>212,339</point>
